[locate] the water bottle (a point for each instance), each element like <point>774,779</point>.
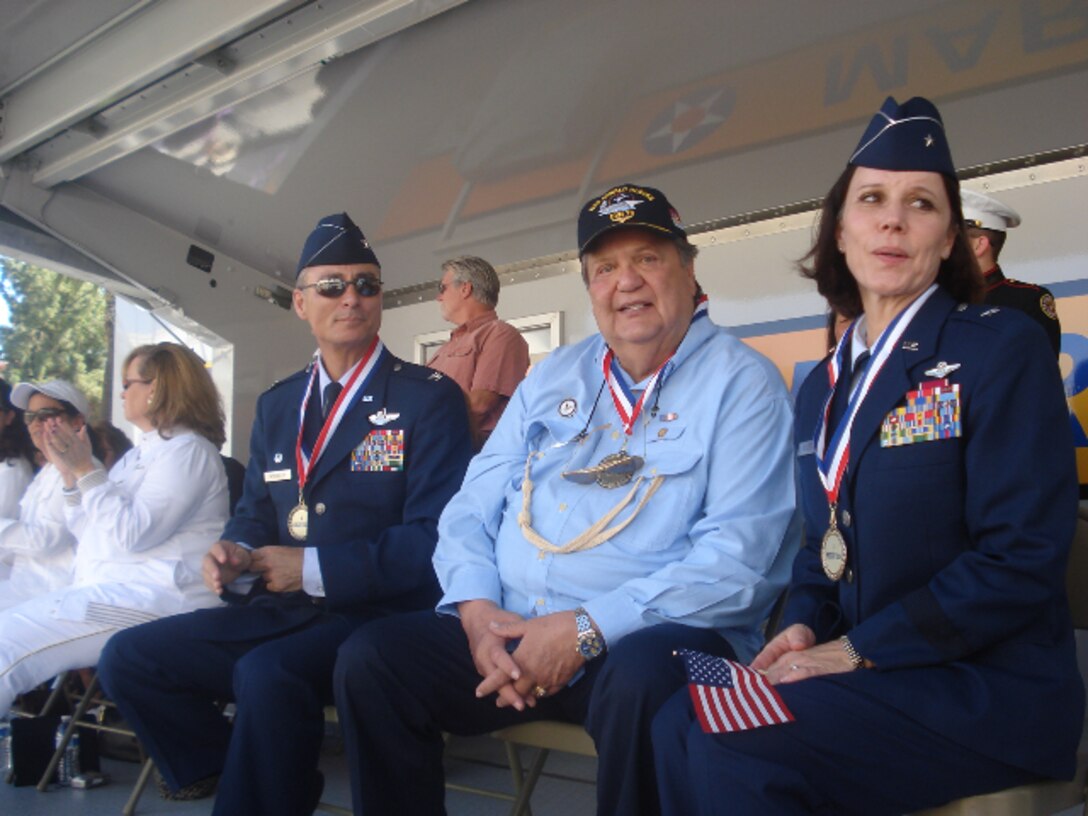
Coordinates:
<point>5,749</point>
<point>71,756</point>
<point>69,763</point>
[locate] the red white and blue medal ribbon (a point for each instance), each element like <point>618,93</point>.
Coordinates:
<point>306,462</point>
<point>833,454</point>
<point>622,396</point>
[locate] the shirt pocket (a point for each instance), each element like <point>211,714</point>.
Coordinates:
<point>929,454</point>
<point>668,515</point>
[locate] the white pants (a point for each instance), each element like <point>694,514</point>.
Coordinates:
<point>35,646</point>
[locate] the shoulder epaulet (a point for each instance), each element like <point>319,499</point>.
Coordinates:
<point>1018,284</point>
<point>985,314</point>
<point>416,372</point>
<point>289,378</point>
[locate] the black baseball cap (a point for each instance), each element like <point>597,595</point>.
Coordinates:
<point>628,205</point>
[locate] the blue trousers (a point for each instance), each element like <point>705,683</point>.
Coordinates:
<point>166,677</point>
<point>401,681</point>
<point>845,753</point>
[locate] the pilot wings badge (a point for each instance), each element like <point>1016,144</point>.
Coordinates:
<point>383,417</point>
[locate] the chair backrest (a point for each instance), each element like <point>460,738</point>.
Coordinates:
<point>236,476</point>
<point>1076,576</point>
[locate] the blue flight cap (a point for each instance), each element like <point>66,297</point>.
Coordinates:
<point>337,241</point>
<point>905,137</point>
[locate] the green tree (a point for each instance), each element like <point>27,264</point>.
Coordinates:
<point>58,328</point>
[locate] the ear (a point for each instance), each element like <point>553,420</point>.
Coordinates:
<point>949,242</point>
<point>298,300</point>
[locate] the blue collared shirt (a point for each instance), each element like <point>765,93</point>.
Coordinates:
<point>712,547</point>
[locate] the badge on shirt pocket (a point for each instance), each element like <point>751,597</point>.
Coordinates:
<point>381,450</point>
<point>931,413</point>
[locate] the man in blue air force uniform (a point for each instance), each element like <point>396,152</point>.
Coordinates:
<point>637,496</point>
<point>351,462</point>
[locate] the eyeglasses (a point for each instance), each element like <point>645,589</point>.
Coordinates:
<point>335,287</point>
<point>442,287</point>
<point>127,384</point>
<point>45,414</point>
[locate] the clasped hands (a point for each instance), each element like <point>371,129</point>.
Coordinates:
<point>226,561</point>
<point>544,659</point>
<point>68,449</point>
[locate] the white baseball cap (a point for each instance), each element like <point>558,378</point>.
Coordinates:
<point>988,213</point>
<point>60,390</point>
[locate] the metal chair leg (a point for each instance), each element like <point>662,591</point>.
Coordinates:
<point>138,790</point>
<point>56,694</point>
<point>73,724</point>
<point>528,782</point>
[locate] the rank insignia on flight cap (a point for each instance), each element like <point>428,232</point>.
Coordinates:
<point>905,137</point>
<point>336,241</point>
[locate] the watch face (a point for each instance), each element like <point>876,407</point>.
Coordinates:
<point>589,644</point>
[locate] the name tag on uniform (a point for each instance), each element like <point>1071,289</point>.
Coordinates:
<point>277,475</point>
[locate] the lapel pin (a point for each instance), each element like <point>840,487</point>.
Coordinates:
<point>910,345</point>
<point>567,407</point>
<point>277,458</point>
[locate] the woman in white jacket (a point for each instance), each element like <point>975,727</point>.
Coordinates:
<point>142,529</point>
<point>34,539</point>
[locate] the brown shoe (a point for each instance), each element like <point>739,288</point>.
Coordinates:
<point>201,789</point>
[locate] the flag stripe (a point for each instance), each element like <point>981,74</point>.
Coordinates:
<point>727,696</point>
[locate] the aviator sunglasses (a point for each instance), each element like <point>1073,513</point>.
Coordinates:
<point>335,287</point>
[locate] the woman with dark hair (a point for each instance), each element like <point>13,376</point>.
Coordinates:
<point>143,528</point>
<point>35,538</point>
<point>926,652</point>
<point>16,455</point>
<point>114,442</point>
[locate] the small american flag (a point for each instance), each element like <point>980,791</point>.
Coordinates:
<point>730,697</point>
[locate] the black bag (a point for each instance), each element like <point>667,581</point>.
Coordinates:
<point>32,746</point>
<point>33,742</point>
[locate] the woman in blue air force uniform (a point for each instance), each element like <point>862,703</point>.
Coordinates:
<point>926,651</point>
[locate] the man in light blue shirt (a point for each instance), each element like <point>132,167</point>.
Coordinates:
<point>636,497</point>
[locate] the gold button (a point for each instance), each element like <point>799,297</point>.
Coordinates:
<point>540,602</point>
<point>562,506</point>
<point>661,434</point>
<point>540,556</point>
<point>615,434</point>
<point>846,518</point>
<point>319,508</point>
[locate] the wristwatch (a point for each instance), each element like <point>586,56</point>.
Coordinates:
<point>856,659</point>
<point>590,642</point>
